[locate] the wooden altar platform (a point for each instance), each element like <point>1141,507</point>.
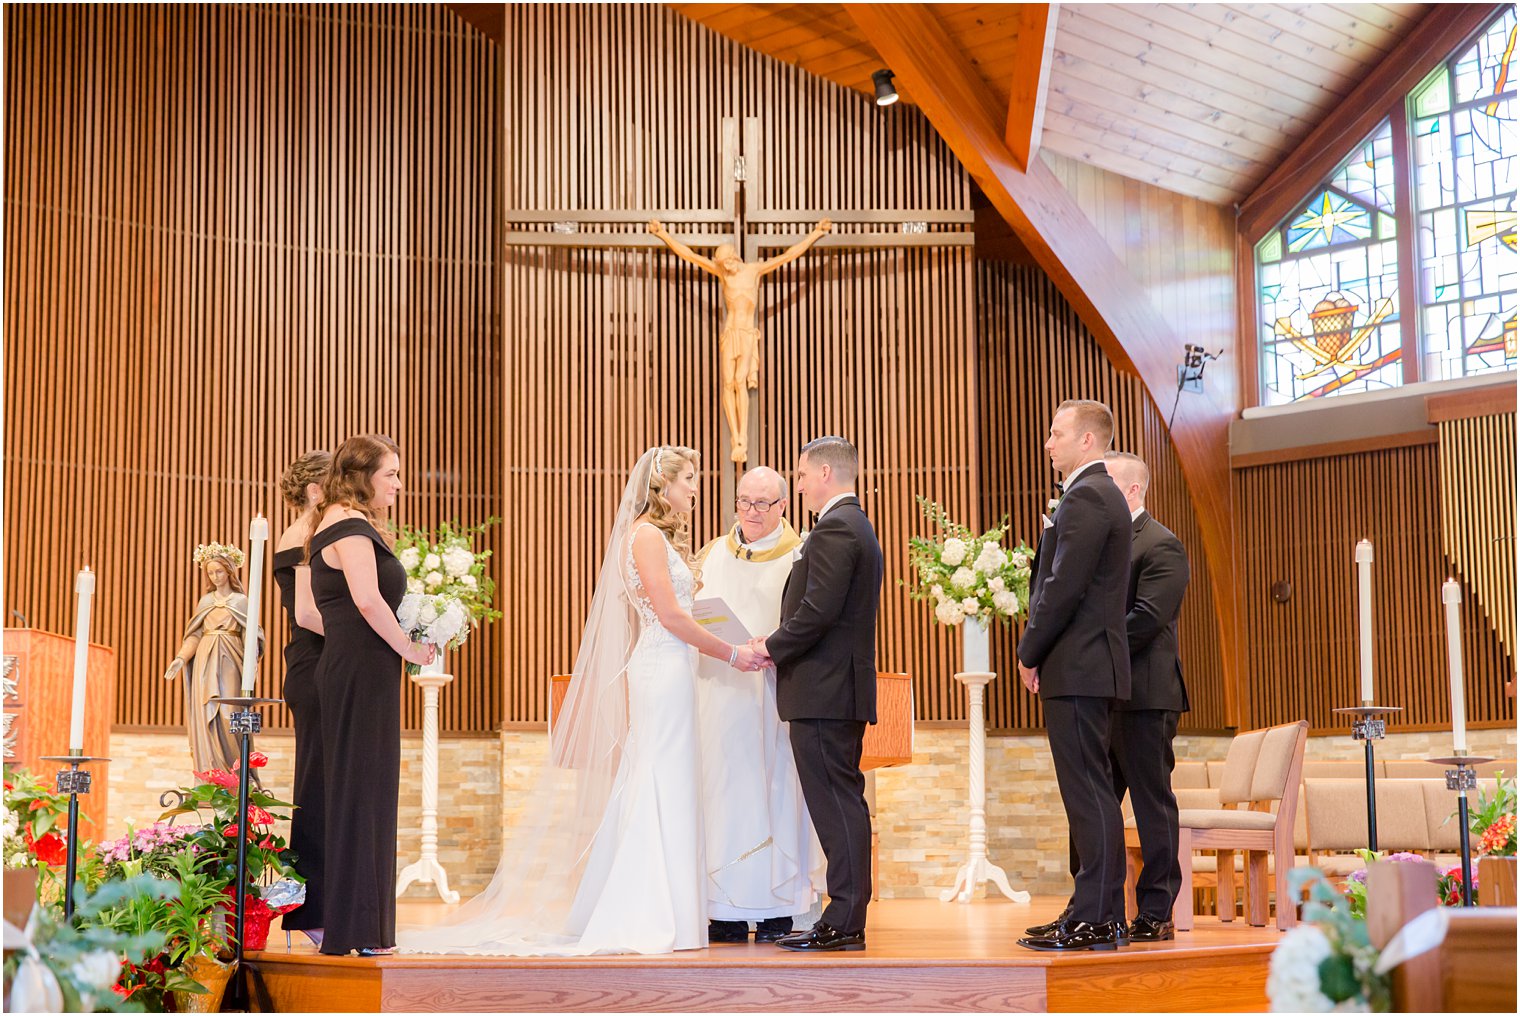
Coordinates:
<point>923,955</point>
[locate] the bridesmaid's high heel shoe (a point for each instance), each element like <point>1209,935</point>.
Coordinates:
<point>389,950</point>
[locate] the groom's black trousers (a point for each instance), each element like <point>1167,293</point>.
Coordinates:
<point>828,765</point>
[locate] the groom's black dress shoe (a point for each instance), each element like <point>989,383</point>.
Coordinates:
<point>773,929</point>
<point>727,931</point>
<point>822,938</point>
<point>1047,930</point>
<point>1077,936</point>
<point>1151,929</point>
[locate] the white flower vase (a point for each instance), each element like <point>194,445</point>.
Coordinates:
<point>976,656</point>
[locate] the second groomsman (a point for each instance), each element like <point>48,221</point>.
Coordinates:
<point>1143,727</point>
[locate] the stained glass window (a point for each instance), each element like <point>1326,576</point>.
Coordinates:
<point>1462,119</point>
<point>1328,275</point>
<point>1327,282</point>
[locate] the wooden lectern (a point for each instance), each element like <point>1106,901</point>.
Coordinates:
<point>42,665</point>
<point>889,741</point>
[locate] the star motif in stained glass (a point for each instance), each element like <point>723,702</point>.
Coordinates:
<point>1331,219</point>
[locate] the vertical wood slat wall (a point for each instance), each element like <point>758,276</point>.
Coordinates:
<point>1033,354</point>
<point>612,351</point>
<point>1478,512</point>
<point>234,233</point>
<point>1299,522</point>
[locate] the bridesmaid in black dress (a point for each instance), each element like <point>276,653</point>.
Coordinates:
<point>358,584</point>
<point>301,487</point>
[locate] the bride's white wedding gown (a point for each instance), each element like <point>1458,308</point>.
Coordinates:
<point>642,888</point>
<point>653,897</point>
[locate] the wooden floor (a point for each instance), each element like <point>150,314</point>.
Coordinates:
<point>922,955</point>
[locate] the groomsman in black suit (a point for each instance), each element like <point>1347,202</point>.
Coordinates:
<point>1142,728</point>
<point>1074,654</point>
<point>825,658</point>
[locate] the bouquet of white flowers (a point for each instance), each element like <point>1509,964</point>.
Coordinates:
<point>967,575</point>
<point>447,589</point>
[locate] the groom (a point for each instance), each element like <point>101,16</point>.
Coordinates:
<point>825,659</point>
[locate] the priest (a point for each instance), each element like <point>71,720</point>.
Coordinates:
<point>763,857</point>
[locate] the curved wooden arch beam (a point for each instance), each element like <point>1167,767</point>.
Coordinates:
<point>934,71</point>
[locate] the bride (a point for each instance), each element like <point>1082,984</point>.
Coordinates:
<point>607,856</point>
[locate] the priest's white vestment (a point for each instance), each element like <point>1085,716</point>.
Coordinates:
<point>763,857</point>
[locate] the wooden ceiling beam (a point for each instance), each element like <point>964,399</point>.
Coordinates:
<point>1034,46</point>
<point>1068,247</point>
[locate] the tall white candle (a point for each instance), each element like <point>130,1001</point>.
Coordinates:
<point>1451,596</point>
<point>1364,614</point>
<point>84,589</point>
<point>258,534</point>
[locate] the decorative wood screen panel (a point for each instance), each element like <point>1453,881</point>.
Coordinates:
<point>1034,353</point>
<point>612,350</point>
<point>1478,513</point>
<point>1299,522</point>
<point>234,233</point>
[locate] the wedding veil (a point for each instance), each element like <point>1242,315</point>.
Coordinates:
<point>526,909</point>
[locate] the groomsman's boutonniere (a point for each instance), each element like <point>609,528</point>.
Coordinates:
<point>797,554</point>
<point>1049,518</point>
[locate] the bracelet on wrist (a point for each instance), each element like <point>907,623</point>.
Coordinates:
<point>733,655</point>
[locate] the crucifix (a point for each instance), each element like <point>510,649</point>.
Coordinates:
<point>736,260</point>
<point>739,341</point>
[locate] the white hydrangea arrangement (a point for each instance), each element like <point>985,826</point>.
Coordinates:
<point>1326,963</point>
<point>447,589</point>
<point>966,575</point>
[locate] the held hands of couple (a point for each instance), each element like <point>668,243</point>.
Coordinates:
<point>751,656</point>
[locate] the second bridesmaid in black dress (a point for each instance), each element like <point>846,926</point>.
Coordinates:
<point>358,584</point>
<point>301,487</point>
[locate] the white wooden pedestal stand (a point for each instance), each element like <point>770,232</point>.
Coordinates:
<point>426,869</point>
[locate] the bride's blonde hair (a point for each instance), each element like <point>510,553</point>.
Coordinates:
<point>669,461</point>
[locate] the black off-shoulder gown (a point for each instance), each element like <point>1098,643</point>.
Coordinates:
<point>359,691</point>
<point>302,652</point>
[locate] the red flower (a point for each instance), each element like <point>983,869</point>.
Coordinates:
<point>258,816</point>
<point>218,777</point>
<point>256,760</point>
<point>37,804</point>
<point>9,785</point>
<point>50,849</point>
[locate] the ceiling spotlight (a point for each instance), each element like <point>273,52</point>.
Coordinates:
<point>886,93</point>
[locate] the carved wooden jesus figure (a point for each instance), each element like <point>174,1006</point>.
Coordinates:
<point>739,342</point>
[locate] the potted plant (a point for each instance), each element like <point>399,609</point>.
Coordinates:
<point>214,844</point>
<point>61,967</point>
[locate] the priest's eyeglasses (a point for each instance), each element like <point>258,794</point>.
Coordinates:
<point>744,504</point>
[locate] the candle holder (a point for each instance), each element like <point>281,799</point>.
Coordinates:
<point>72,781</point>
<point>1369,724</point>
<point>244,722</point>
<point>1462,779</point>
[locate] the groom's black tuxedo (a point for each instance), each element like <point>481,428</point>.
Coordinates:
<point>825,649</point>
<point>825,656</point>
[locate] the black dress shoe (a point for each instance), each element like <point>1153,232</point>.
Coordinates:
<point>822,938</point>
<point>1047,930</point>
<point>727,931</point>
<point>773,929</point>
<point>1077,936</point>
<point>1150,929</point>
